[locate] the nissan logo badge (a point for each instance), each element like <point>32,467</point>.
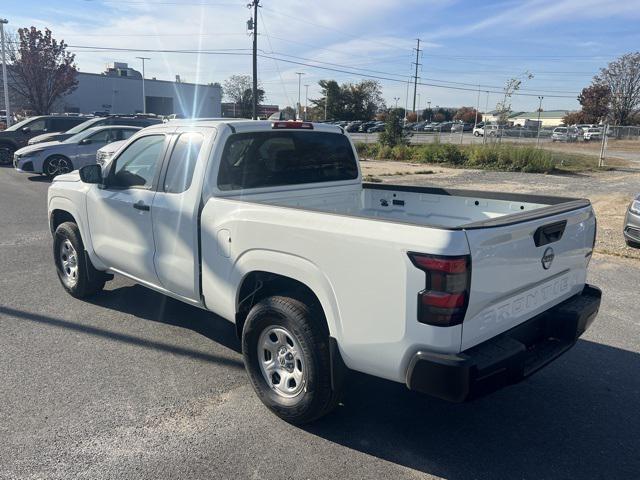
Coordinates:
<point>547,258</point>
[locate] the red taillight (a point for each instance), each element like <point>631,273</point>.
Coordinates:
<point>293,125</point>
<point>444,300</point>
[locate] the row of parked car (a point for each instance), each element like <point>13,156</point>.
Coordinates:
<point>56,144</point>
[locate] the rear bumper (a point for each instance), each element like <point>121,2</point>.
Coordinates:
<point>507,358</point>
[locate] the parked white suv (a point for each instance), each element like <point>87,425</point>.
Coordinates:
<point>489,130</point>
<point>564,134</point>
<point>454,293</point>
<point>592,134</point>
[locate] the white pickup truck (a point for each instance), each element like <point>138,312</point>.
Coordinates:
<point>454,293</point>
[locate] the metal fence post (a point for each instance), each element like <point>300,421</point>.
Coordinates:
<point>603,146</point>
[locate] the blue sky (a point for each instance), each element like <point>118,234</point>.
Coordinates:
<point>563,43</point>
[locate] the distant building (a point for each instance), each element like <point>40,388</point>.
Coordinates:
<point>232,110</point>
<point>119,90</point>
<point>548,118</point>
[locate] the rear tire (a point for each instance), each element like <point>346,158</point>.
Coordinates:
<point>75,271</point>
<point>57,165</point>
<point>285,347</point>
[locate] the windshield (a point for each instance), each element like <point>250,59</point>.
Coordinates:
<point>19,125</point>
<point>79,136</point>
<point>83,126</point>
<point>561,130</point>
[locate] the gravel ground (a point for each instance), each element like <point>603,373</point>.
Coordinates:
<point>609,191</point>
<point>133,385</point>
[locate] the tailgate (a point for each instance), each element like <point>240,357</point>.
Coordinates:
<point>521,269</point>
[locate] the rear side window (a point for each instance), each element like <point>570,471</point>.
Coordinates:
<point>182,162</point>
<point>268,159</point>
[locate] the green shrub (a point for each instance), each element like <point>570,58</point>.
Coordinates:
<point>504,157</point>
<point>400,152</point>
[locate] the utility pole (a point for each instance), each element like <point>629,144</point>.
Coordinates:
<point>429,104</point>
<point>144,96</point>
<point>254,27</point>
<point>3,22</point>
<point>299,85</point>
<point>306,99</point>
<point>415,78</point>
<point>539,111</point>
<point>486,110</point>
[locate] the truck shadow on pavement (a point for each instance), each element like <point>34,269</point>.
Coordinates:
<point>578,418</point>
<point>144,303</point>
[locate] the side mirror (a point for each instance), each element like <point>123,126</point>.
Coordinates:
<point>91,174</point>
<point>85,141</point>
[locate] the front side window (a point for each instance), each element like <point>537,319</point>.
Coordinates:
<point>103,136</point>
<point>138,164</point>
<point>123,133</point>
<point>183,162</point>
<point>267,159</point>
<point>39,125</point>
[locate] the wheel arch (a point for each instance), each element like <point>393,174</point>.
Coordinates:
<point>264,273</point>
<point>61,210</point>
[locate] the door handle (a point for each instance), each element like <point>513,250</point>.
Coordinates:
<point>141,206</point>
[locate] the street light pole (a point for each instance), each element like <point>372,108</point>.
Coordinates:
<point>144,96</point>
<point>429,104</point>
<point>396,99</point>
<point>299,86</point>
<point>3,22</point>
<point>539,111</point>
<point>306,99</point>
<point>326,102</point>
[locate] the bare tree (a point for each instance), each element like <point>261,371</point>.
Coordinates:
<point>503,107</point>
<point>622,76</point>
<point>41,69</point>
<point>239,90</point>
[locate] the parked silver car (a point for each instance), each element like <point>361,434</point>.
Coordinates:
<point>55,158</point>
<point>565,134</point>
<point>631,229</point>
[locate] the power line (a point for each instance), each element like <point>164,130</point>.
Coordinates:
<point>242,52</point>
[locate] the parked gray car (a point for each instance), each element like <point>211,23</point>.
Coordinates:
<point>55,158</point>
<point>631,229</point>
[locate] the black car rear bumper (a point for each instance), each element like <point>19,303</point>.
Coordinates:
<point>507,358</point>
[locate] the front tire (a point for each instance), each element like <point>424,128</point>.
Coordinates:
<point>57,165</point>
<point>285,347</point>
<point>631,243</point>
<point>75,271</point>
<point>6,154</point>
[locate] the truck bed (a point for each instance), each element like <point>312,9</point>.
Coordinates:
<point>426,206</point>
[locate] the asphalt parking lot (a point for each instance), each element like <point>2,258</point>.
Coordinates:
<point>136,385</point>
